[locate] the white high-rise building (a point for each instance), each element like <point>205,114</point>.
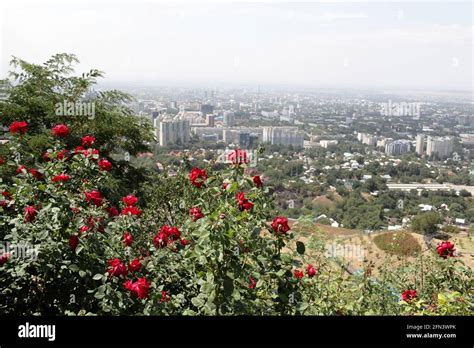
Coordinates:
<point>283,136</point>
<point>442,146</point>
<point>420,144</point>
<point>173,131</point>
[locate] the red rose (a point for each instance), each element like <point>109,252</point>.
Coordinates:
<point>127,239</point>
<point>280,224</point>
<point>139,288</point>
<point>298,274</point>
<point>195,213</point>
<point>164,297</point>
<point>135,265</point>
<point>18,127</point>
<point>197,177</point>
<point>20,169</point>
<point>6,195</point>
<point>4,258</point>
<point>94,197</point>
<point>131,211</point>
<point>238,157</point>
<point>445,249</point>
<point>2,161</point>
<point>112,211</point>
<point>78,150</point>
<point>408,295</point>
<point>257,181</point>
<point>117,268</point>
<point>35,174</point>
<point>160,240</point>
<point>244,203</point>
<point>184,242</point>
<point>225,185</point>
<point>73,242</point>
<point>252,283</point>
<point>311,271</point>
<point>61,155</point>
<point>166,235</point>
<point>46,157</point>
<point>88,140</point>
<point>130,200</point>
<point>105,164</point>
<point>83,229</point>
<point>60,130</point>
<point>60,177</point>
<point>30,213</point>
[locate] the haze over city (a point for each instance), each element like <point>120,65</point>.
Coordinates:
<point>365,44</point>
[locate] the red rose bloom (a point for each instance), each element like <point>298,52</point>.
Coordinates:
<point>130,200</point>
<point>195,213</point>
<point>127,239</point>
<point>117,268</point>
<point>78,150</point>
<point>20,169</point>
<point>83,229</point>
<point>46,157</point>
<point>197,177</point>
<point>298,274</point>
<point>131,211</point>
<point>105,164</point>
<point>30,213</point>
<point>94,197</point>
<point>18,127</point>
<point>135,265</point>
<point>60,177</point>
<point>61,155</point>
<point>139,288</point>
<point>445,249</point>
<point>2,161</point>
<point>112,211</point>
<point>280,224</point>
<point>88,140</point>
<point>164,297</point>
<point>60,130</point>
<point>166,236</point>
<point>408,295</point>
<point>184,242</point>
<point>35,174</point>
<point>257,181</point>
<point>4,258</point>
<point>244,203</point>
<point>311,271</point>
<point>252,283</point>
<point>73,242</point>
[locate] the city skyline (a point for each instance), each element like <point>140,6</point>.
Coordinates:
<point>354,45</point>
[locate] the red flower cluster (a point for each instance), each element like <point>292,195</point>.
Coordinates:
<point>88,140</point>
<point>127,239</point>
<point>130,200</point>
<point>280,224</point>
<point>117,268</point>
<point>4,258</point>
<point>409,295</point>
<point>30,213</point>
<point>195,213</point>
<point>298,274</point>
<point>60,177</point>
<point>104,164</point>
<point>131,210</point>
<point>112,211</point>
<point>197,177</point>
<point>73,242</point>
<point>18,127</point>
<point>94,197</point>
<point>252,283</point>
<point>139,288</point>
<point>135,265</point>
<point>244,203</point>
<point>164,297</point>
<point>257,181</point>
<point>60,130</point>
<point>166,235</point>
<point>445,249</point>
<point>310,270</point>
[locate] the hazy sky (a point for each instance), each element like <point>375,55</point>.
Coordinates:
<point>407,44</point>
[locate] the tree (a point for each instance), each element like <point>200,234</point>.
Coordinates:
<point>426,223</point>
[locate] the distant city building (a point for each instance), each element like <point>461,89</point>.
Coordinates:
<point>207,109</point>
<point>327,143</point>
<point>420,144</point>
<point>283,136</point>
<point>397,147</point>
<point>173,131</point>
<point>210,120</point>
<point>228,118</point>
<point>441,146</point>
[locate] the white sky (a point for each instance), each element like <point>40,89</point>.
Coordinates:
<point>379,44</point>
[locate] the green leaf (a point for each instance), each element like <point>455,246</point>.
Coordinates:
<point>98,276</point>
